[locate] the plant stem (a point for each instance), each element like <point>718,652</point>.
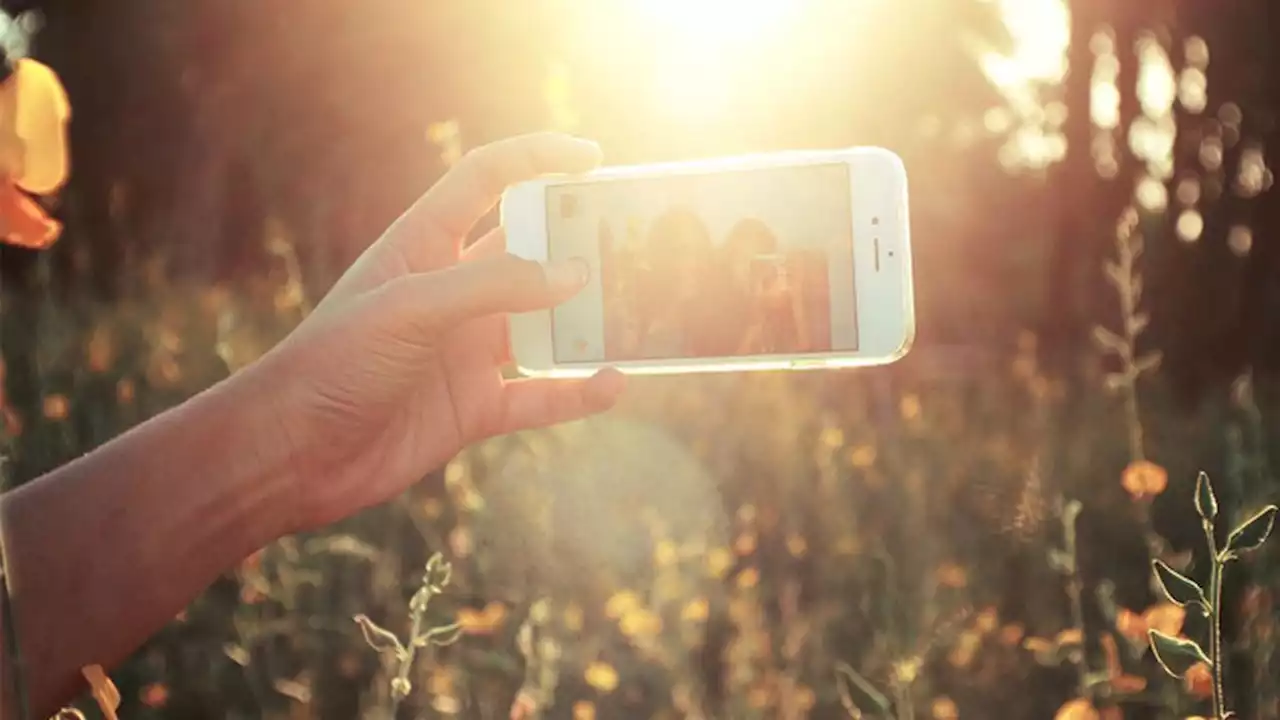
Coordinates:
<point>1215,615</point>
<point>406,662</point>
<point>1075,589</point>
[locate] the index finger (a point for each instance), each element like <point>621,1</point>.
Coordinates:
<point>429,234</point>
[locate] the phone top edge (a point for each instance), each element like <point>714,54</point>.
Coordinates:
<point>751,161</point>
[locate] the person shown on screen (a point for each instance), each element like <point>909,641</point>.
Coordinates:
<point>721,319</point>
<point>677,255</point>
<point>780,308</point>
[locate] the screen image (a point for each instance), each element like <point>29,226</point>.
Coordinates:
<point>731,264</point>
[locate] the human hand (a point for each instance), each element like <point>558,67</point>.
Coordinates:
<point>398,368</point>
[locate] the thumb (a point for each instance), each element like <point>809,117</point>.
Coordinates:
<point>437,301</point>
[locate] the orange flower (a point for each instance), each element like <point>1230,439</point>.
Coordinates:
<point>951,575</point>
<point>584,710</point>
<point>154,695</point>
<point>987,620</point>
<point>1199,681</point>
<point>1131,625</point>
<point>1165,617</point>
<point>1078,709</point>
<point>1110,649</point>
<point>125,391</point>
<point>484,621</point>
<point>1144,479</point>
<point>1011,634</point>
<point>56,407</point>
<point>944,708</point>
<point>863,456</point>
<point>1038,646</point>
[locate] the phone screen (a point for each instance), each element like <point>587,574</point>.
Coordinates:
<point>728,264</point>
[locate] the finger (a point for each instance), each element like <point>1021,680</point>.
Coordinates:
<point>497,337</point>
<point>432,229</point>
<point>429,303</point>
<point>533,403</point>
<point>492,244</point>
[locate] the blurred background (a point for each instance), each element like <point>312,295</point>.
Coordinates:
<point>969,532</point>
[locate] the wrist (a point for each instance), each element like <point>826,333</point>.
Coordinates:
<point>260,450</point>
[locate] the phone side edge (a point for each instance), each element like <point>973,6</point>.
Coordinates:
<point>523,216</point>
<point>886,331</point>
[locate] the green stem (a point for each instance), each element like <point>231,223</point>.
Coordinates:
<point>406,663</point>
<point>1215,616</point>
<point>1075,590</point>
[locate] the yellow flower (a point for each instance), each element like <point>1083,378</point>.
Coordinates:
<point>640,623</point>
<point>601,676</point>
<point>572,617</point>
<point>696,610</point>
<point>719,561</point>
<point>584,710</point>
<point>863,456</point>
<point>797,545</point>
<point>910,407</point>
<point>664,554</point>
<point>805,698</point>
<point>832,437</point>
<point>1078,709</point>
<point>621,603</point>
<point>749,578</point>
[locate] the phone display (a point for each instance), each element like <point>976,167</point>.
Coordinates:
<point>740,263</point>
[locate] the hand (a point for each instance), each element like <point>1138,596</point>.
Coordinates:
<point>399,367</point>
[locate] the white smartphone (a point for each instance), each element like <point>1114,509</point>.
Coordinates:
<point>796,260</point>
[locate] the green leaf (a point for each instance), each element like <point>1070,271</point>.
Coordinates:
<point>1206,503</point>
<point>1251,533</point>
<point>1176,655</point>
<point>859,696</point>
<point>1179,588</point>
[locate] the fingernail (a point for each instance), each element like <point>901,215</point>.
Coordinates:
<point>569,274</point>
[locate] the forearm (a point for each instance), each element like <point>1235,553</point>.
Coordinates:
<point>102,552</point>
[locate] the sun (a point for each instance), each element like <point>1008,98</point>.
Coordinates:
<point>714,23</point>
<point>707,47</point>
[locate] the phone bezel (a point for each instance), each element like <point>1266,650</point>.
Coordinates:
<point>883,285</point>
